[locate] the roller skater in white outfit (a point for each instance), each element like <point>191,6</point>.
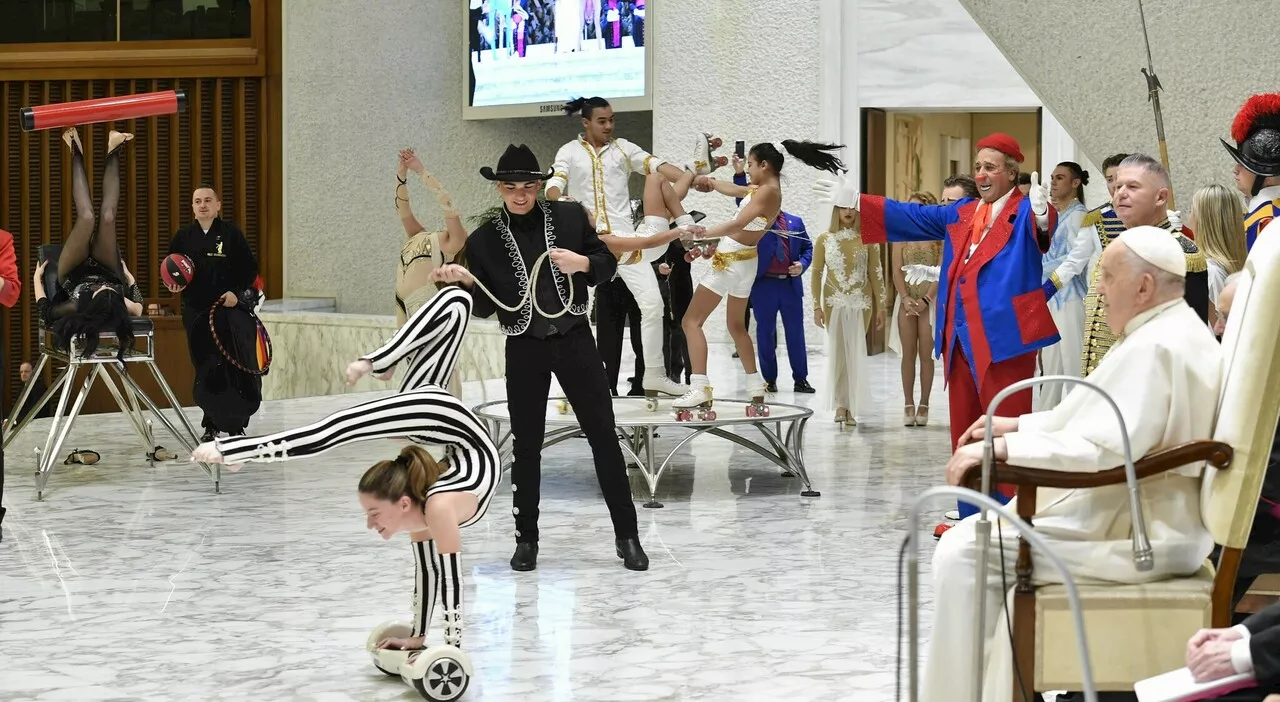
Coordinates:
<point>733,266</point>
<point>594,170</point>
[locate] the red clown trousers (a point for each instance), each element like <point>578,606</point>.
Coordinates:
<point>969,404</point>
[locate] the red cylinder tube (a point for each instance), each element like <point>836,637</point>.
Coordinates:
<point>70,114</point>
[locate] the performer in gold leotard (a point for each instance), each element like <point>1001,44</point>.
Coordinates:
<point>423,250</point>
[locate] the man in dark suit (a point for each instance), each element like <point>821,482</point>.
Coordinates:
<point>1250,647</point>
<point>778,288</point>
<point>37,391</point>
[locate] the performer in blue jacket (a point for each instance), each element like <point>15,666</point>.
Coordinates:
<point>778,288</point>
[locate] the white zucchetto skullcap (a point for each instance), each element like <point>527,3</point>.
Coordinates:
<point>1156,246</point>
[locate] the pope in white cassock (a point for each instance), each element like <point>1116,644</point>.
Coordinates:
<point>1164,373</point>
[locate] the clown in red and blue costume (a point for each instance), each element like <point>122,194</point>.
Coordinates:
<point>992,304</point>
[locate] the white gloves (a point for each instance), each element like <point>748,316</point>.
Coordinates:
<point>1039,195</point>
<point>842,192</point>
<point>1175,220</point>
<point>916,274</point>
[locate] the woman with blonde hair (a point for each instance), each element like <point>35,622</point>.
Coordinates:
<point>1217,218</point>
<point>911,333</point>
<point>846,275</point>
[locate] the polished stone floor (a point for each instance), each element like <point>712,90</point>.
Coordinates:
<point>137,582</point>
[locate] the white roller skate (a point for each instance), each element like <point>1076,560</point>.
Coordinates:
<point>757,390</point>
<point>656,384</point>
<point>698,398</point>
<point>704,160</point>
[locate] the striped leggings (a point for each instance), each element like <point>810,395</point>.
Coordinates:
<point>425,413</point>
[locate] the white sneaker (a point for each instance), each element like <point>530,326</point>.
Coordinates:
<point>695,397</point>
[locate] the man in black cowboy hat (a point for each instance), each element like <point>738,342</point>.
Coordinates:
<point>1256,130</point>
<point>547,335</point>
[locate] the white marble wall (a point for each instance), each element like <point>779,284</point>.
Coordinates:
<point>311,349</point>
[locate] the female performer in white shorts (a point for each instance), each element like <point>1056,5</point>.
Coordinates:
<point>734,264</point>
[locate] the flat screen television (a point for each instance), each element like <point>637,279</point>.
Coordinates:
<point>526,58</point>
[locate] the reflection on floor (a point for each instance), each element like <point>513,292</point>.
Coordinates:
<point>130,582</point>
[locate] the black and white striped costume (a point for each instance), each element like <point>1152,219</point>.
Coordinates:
<point>424,413</point>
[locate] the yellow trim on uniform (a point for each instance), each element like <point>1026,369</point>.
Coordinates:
<point>597,180</point>
<point>647,160</point>
<point>721,260</point>
<point>1057,282</point>
<point>1266,210</point>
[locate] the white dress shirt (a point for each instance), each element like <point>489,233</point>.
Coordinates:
<point>599,179</point>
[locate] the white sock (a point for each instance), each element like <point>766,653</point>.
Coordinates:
<point>698,381</point>
<point>655,225</point>
<point>684,220</point>
<point>753,380</point>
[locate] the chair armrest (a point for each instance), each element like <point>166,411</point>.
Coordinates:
<point>1216,453</point>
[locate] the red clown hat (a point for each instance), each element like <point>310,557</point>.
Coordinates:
<point>1003,143</point>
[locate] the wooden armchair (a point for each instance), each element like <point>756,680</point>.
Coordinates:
<point>1137,631</point>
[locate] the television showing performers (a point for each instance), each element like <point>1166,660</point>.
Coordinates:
<point>535,51</point>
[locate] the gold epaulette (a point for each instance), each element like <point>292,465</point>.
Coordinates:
<point>1092,218</point>
<point>1196,261</point>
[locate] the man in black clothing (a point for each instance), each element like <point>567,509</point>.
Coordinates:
<point>616,309</point>
<point>37,391</point>
<point>1250,647</point>
<point>552,337</point>
<point>225,268</point>
<point>675,275</point>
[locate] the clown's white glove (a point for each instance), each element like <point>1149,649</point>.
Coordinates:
<point>842,192</point>
<point>1175,220</point>
<point>916,274</point>
<point>1039,195</point>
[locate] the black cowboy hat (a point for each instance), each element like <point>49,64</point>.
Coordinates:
<point>517,165</point>
<point>1257,131</point>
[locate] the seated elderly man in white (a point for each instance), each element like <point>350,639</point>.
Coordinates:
<point>1164,373</point>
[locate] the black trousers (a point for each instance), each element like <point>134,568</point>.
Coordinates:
<point>675,350</point>
<point>576,364</point>
<point>616,309</point>
<point>204,354</point>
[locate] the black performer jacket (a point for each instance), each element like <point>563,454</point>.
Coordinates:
<point>223,262</point>
<point>222,259</point>
<point>494,253</point>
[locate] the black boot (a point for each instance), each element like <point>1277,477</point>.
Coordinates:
<point>632,554</point>
<point>526,556</point>
<point>804,386</point>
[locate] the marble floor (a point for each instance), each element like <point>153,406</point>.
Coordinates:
<point>139,583</point>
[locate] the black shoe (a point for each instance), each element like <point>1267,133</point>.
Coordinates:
<point>735,354</point>
<point>632,554</point>
<point>770,387</point>
<point>237,432</point>
<point>209,435</point>
<point>526,556</point>
<point>2,511</point>
<point>804,386</point>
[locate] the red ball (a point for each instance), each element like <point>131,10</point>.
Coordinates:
<point>177,270</point>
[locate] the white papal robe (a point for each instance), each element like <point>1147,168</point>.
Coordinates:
<point>1165,376</point>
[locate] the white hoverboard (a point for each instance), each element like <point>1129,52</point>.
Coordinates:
<point>439,673</point>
